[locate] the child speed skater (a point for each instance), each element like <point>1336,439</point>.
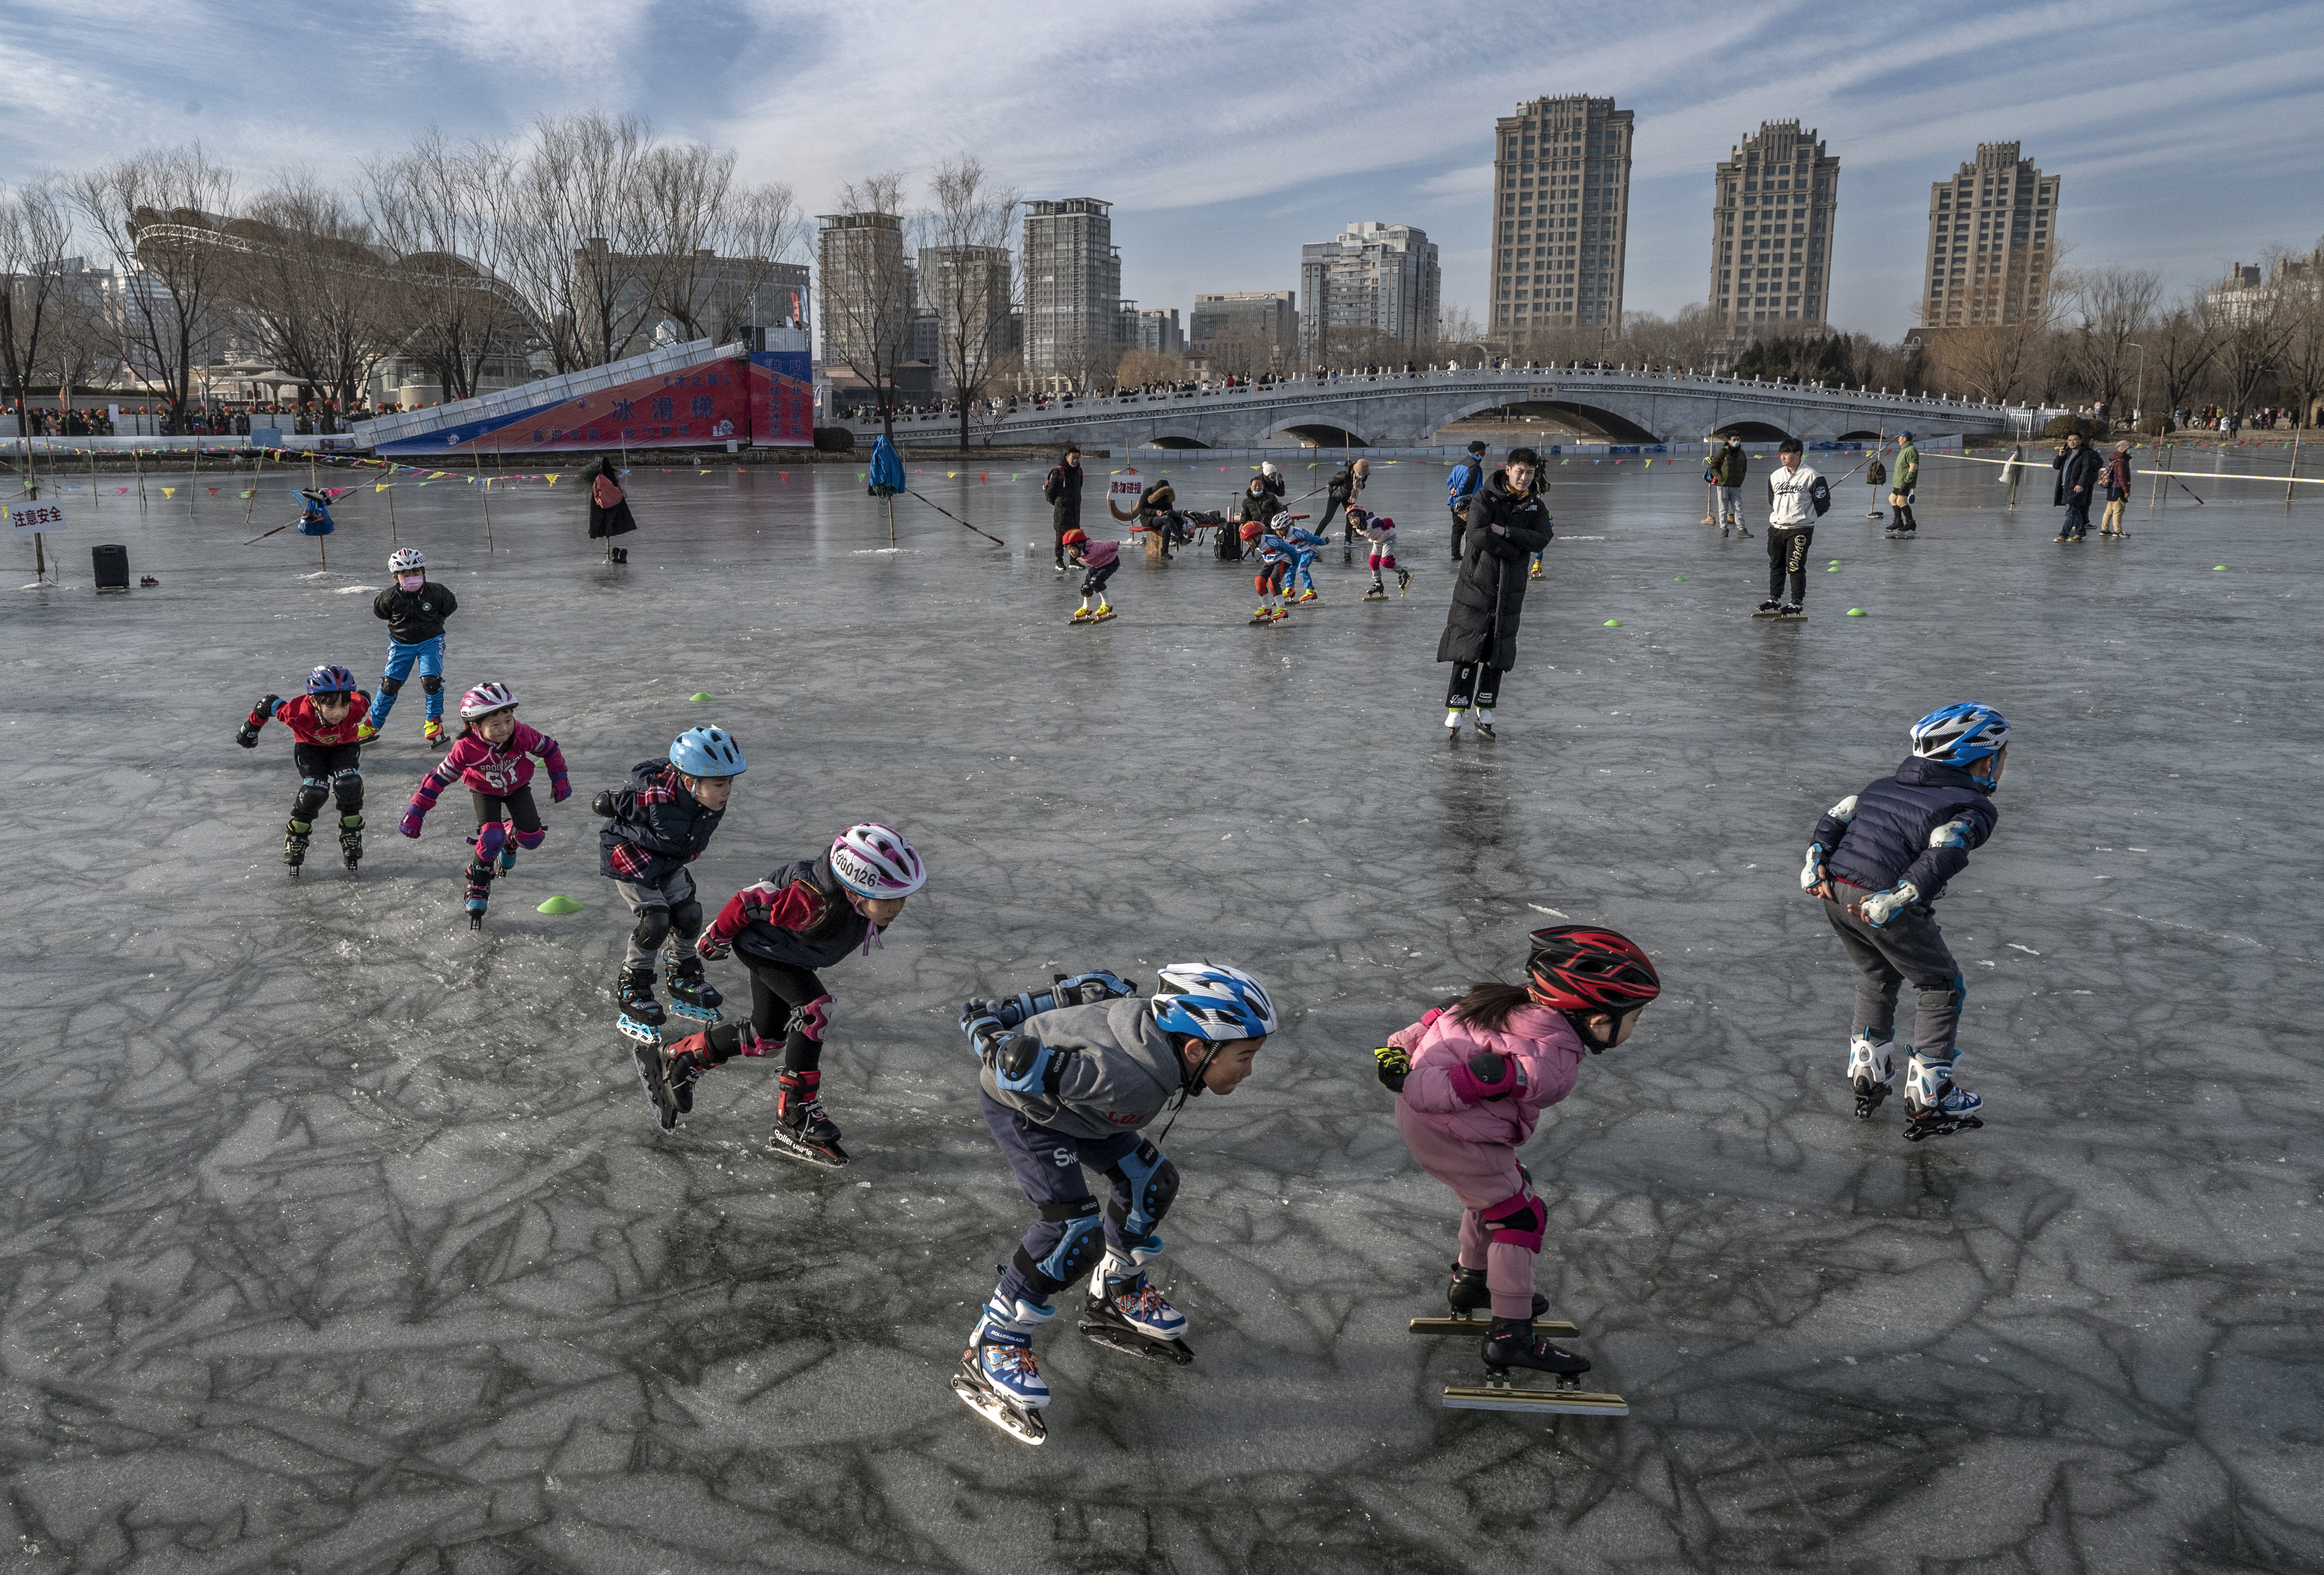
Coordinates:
<point>1303,543</point>
<point>1097,560</point>
<point>414,609</point>
<point>493,757</point>
<point>654,828</point>
<point>324,724</point>
<point>1275,559</point>
<point>1072,1074</point>
<point>807,916</point>
<point>1472,1078</point>
<point>1380,531</point>
<point>1879,861</point>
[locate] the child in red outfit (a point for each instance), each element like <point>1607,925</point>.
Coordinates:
<point>491,756</point>
<point>1472,1078</point>
<point>326,747</point>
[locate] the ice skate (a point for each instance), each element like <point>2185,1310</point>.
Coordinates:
<point>1307,596</point>
<point>434,731</point>
<point>1935,1106</point>
<point>1379,592</point>
<point>802,1130</point>
<point>1768,609</point>
<point>1484,724</point>
<point>1280,615</point>
<point>350,827</point>
<point>1871,1068</point>
<point>1534,573</point>
<point>999,1376</point>
<point>1105,610</point>
<point>1264,615</point>
<point>294,843</point>
<point>641,1016</point>
<point>653,1072</point>
<point>1453,725</point>
<point>366,731</point>
<point>1403,581</point>
<point>1790,609</point>
<point>690,994</point>
<point>685,1062</point>
<point>1515,1342</point>
<point>1126,1313</point>
<point>1467,1296</point>
<point>507,858</point>
<point>479,894</point>
<point>1082,615</point>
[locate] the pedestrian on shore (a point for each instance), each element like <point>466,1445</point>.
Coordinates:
<point>1062,489</point>
<point>2078,478</point>
<point>609,510</point>
<point>1507,524</point>
<point>1461,486</point>
<point>2117,482</point>
<point>1904,482</point>
<point>1730,467</point>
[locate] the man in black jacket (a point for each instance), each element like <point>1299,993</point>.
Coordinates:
<point>2078,480</point>
<point>1346,486</point>
<point>1062,489</point>
<point>1507,524</point>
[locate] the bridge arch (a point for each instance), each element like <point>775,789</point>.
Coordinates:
<point>1174,440</point>
<point>1752,432</point>
<point>1314,434</point>
<point>1611,425</point>
<point>1860,435</point>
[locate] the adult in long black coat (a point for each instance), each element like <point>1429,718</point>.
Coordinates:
<point>609,510</point>
<point>1507,524</point>
<point>2078,469</point>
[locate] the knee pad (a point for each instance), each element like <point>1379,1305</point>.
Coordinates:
<point>349,789</point>
<point>1518,1221</point>
<point>813,1020</point>
<point>685,919</point>
<point>431,684</point>
<point>489,838</point>
<point>390,685</point>
<point>312,791</point>
<point>654,928</point>
<point>1152,1181</point>
<point>1078,1251</point>
<point>530,840</point>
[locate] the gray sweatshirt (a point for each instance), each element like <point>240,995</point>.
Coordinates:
<point>1121,1073</point>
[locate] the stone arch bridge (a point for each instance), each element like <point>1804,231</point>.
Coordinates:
<point>1398,410</point>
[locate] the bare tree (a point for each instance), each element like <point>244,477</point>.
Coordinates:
<point>2182,345</point>
<point>443,212</point>
<point>2302,370</point>
<point>155,210</point>
<point>315,289</point>
<point>36,228</point>
<point>968,277</point>
<point>575,234</point>
<point>2116,306</point>
<point>2257,329</point>
<point>867,292</point>
<point>715,244</point>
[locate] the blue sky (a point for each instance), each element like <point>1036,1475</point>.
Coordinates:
<point>1227,135</point>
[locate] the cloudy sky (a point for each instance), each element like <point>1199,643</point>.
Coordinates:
<point>1227,133</point>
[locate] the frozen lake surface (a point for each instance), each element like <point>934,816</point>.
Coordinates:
<point>342,1240</point>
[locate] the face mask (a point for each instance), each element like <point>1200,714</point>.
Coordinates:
<point>411,581</point>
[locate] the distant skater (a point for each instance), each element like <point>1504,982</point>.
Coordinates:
<point>609,510</point>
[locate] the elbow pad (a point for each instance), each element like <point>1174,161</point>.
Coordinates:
<point>1811,873</point>
<point>1844,811</point>
<point>1027,1066</point>
<point>1883,905</point>
<point>1953,834</point>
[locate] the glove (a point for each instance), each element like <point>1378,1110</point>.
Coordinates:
<point>410,824</point>
<point>246,736</point>
<point>1393,1062</point>
<point>1486,1076</point>
<point>268,706</point>
<point>1881,906</point>
<point>560,788</point>
<point>1811,873</point>
<point>1021,1065</point>
<point>711,949</point>
<point>604,804</point>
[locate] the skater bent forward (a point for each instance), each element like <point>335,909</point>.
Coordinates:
<point>492,759</point>
<point>324,724</point>
<point>655,827</point>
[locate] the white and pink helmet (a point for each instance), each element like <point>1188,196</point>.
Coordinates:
<point>874,860</point>
<point>486,698</point>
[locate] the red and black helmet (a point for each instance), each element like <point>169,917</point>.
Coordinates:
<point>1581,968</point>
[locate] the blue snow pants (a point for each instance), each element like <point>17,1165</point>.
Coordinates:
<point>1068,1239</point>
<point>428,655</point>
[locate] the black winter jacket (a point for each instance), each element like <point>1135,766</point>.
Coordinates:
<point>806,895</point>
<point>1730,465</point>
<point>1918,825</point>
<point>1065,506</point>
<point>413,616</point>
<point>657,827</point>
<point>1341,488</point>
<point>2077,467</point>
<point>1489,596</point>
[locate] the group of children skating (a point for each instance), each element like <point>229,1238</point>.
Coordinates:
<point>1072,1074</point>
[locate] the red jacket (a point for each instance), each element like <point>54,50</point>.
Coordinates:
<point>297,714</point>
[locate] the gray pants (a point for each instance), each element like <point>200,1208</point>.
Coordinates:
<point>1730,504</point>
<point>1909,946</point>
<point>665,910</point>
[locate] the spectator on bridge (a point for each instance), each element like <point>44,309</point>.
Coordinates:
<point>1507,524</point>
<point>1728,470</point>
<point>1346,486</point>
<point>2077,465</point>
<point>609,510</point>
<point>1461,490</point>
<point>2116,483</point>
<point>1062,489</point>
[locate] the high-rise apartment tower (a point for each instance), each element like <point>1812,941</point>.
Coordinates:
<point>1374,291</point>
<point>1993,238</point>
<point>1562,210</point>
<point>1771,216</point>
<point>1073,289</point>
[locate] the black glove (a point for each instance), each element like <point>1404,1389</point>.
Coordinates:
<point>246,736</point>
<point>604,804</point>
<point>1393,1062</point>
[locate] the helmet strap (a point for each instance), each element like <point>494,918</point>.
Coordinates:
<point>1580,1026</point>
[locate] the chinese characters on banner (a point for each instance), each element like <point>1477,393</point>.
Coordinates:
<point>1121,495</point>
<point>24,519</point>
<point>711,403</point>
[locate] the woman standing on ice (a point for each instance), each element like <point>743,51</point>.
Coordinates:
<point>609,510</point>
<point>1507,524</point>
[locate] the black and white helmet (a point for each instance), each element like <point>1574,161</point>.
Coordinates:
<point>406,561</point>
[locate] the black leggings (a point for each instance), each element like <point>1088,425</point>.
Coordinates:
<point>522,812</point>
<point>1474,684</point>
<point>325,771</point>
<point>786,1000</point>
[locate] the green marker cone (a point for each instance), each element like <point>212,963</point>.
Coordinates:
<point>2218,568</point>
<point>1856,611</point>
<point>1832,571</point>
<point>1682,579</point>
<point>700,697</point>
<point>560,904</point>
<point>1613,624</point>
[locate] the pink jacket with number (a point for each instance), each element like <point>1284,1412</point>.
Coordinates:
<point>1441,1092</point>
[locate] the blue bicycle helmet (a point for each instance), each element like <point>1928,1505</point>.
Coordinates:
<point>1208,1001</point>
<point>1960,735</point>
<point>707,751</point>
<point>330,679</point>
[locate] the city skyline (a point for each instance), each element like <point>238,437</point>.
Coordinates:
<point>1217,195</point>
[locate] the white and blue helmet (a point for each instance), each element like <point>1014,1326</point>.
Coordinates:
<point>707,751</point>
<point>1960,735</point>
<point>1207,1001</point>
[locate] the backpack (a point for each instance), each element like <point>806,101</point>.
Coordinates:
<point>605,492</point>
<point>1053,485</point>
<point>1820,494</point>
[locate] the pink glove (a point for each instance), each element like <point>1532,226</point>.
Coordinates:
<point>410,824</point>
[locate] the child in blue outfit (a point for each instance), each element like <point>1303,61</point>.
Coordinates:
<point>1303,543</point>
<point>1879,861</point>
<point>415,609</point>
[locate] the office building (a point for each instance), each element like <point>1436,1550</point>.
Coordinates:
<point>1561,215</point>
<point>866,295</point>
<point>1992,242</point>
<point>1072,288</point>
<point>1773,200</point>
<point>1158,330</point>
<point>1268,317</point>
<point>1374,291</point>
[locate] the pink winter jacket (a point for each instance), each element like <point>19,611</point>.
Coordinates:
<point>1442,1092</point>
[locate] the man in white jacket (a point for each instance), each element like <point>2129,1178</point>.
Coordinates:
<point>1797,496</point>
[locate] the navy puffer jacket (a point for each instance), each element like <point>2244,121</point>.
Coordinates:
<point>1918,825</point>
<point>656,827</point>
